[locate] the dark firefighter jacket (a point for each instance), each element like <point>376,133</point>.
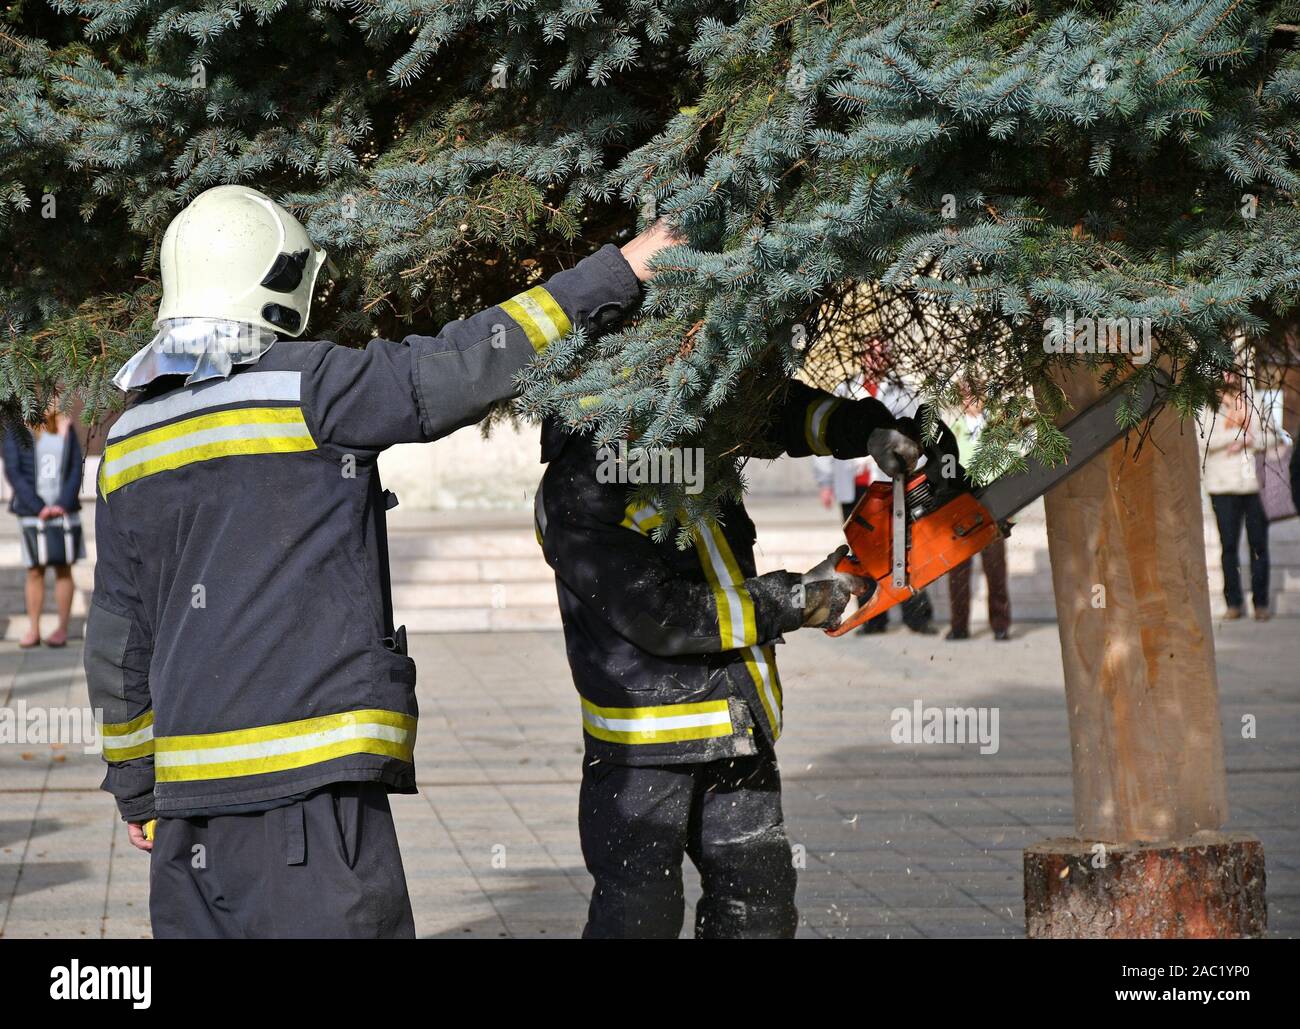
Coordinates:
<point>672,650</point>
<point>240,640</point>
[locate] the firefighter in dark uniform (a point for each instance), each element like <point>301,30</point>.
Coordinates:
<point>672,652</point>
<point>257,700</point>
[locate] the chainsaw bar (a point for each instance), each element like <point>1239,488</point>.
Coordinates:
<point>1089,433</point>
<point>899,531</point>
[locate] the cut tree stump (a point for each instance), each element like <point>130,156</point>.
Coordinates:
<point>1127,547</point>
<point>1210,886</point>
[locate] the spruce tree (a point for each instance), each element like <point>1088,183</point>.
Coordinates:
<point>944,177</point>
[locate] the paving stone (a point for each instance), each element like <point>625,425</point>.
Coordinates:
<point>898,841</point>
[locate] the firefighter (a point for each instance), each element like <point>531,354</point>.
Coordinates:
<point>257,700</point>
<point>672,652</point>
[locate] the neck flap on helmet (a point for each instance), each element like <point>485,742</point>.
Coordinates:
<point>198,348</point>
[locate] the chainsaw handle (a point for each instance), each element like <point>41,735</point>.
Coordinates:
<point>945,440</point>
<point>881,600</point>
<point>944,443</point>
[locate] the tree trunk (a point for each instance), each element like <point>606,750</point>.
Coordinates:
<point>1127,546</point>
<point>1210,887</point>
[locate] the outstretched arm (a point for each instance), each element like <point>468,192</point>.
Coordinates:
<point>429,386</point>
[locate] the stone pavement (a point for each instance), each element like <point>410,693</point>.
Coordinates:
<point>898,840</point>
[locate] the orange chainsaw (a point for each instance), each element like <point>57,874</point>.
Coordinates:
<point>908,533</point>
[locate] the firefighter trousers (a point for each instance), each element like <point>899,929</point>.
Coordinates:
<point>324,866</point>
<point>637,824</point>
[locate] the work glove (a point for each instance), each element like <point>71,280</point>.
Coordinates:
<point>896,450</point>
<point>826,591</point>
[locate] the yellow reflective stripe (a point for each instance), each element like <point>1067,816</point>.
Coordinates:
<point>721,600</point>
<point>128,753</point>
<point>249,387</point>
<point>816,420</point>
<point>295,437</point>
<point>126,728</point>
<point>737,626</point>
<point>664,723</point>
<point>215,420</point>
<point>208,452</point>
<point>285,730</point>
<point>759,662</point>
<point>553,311</point>
<point>278,748</point>
<point>769,652</point>
<point>282,762</point>
<point>641,518</point>
<point>541,318</point>
<point>125,741</point>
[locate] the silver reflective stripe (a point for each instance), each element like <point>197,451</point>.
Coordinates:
<point>757,661</point>
<point>727,589</point>
<point>293,427</point>
<point>818,441</point>
<point>652,723</point>
<point>284,745</point>
<point>642,519</point>
<point>525,308</point>
<point>129,739</point>
<point>241,388</point>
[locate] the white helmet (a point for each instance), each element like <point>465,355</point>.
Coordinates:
<point>236,254</point>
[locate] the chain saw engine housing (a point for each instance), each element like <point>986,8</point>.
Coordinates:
<point>945,525</point>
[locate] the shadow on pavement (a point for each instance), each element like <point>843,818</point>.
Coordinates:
<point>15,830</point>
<point>47,875</point>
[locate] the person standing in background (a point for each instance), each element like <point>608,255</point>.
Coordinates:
<point>43,467</point>
<point>1235,436</point>
<point>966,426</point>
